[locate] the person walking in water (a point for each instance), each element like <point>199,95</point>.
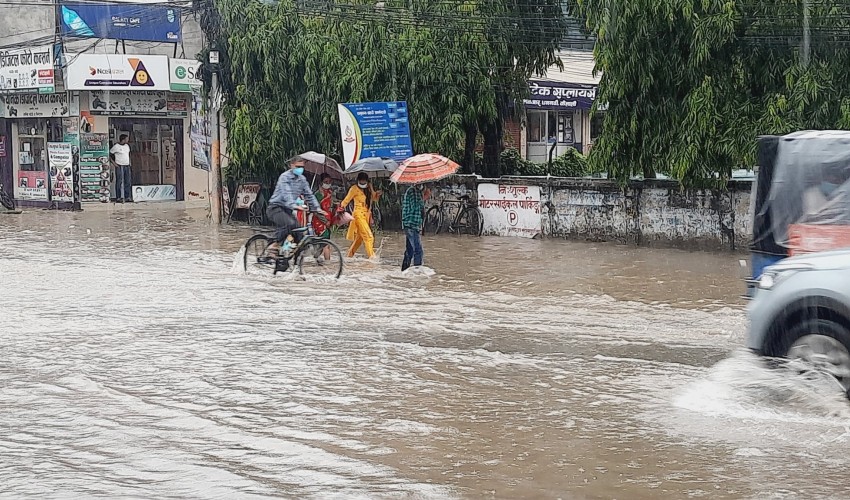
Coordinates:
<point>123,176</point>
<point>359,231</point>
<point>412,207</point>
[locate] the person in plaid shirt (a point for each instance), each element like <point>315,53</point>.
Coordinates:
<point>412,208</point>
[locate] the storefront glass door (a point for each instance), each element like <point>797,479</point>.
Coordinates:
<point>155,155</point>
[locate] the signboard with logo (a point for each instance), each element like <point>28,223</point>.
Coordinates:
<point>246,194</point>
<point>560,96</point>
<point>27,70</point>
<point>38,105</point>
<point>136,102</point>
<point>510,210</point>
<point>116,71</point>
<point>185,74</point>
<point>375,129</point>
<point>94,167</point>
<point>60,159</point>
<point>146,23</point>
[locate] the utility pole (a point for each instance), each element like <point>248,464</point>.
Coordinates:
<point>215,153</point>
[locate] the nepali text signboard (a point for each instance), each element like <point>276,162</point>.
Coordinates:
<point>375,129</point>
<point>185,74</point>
<point>560,96</point>
<point>116,71</point>
<point>60,158</point>
<point>145,23</point>
<point>27,70</point>
<point>510,210</point>
<point>39,105</point>
<point>136,102</point>
<point>94,167</point>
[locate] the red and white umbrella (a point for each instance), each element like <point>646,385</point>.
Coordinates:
<point>426,167</point>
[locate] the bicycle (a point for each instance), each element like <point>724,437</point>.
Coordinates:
<point>312,255</point>
<point>467,220</point>
<point>6,200</point>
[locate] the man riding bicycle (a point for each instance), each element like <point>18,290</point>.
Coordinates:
<point>285,200</point>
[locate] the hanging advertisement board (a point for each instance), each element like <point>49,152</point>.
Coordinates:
<point>94,167</point>
<point>27,70</point>
<point>510,210</point>
<point>375,129</point>
<point>60,160</point>
<point>200,133</point>
<point>185,74</point>
<point>114,71</point>
<point>136,102</point>
<point>145,23</point>
<point>39,105</point>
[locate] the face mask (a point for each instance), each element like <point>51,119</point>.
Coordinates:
<point>298,170</point>
<point>326,186</point>
<point>362,185</point>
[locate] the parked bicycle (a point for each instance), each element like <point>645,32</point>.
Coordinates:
<point>312,256</point>
<point>467,220</point>
<point>5,199</point>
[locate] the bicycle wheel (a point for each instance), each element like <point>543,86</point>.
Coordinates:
<point>471,222</point>
<point>6,200</point>
<point>433,221</point>
<point>319,257</point>
<point>254,256</point>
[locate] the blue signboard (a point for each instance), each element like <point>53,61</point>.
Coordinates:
<point>147,23</point>
<point>375,129</point>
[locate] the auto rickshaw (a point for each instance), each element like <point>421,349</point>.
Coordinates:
<point>801,201</point>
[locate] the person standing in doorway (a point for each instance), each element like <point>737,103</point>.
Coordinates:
<point>412,208</point>
<point>123,176</point>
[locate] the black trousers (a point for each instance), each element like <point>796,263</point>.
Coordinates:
<point>283,219</point>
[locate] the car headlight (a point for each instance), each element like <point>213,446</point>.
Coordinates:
<point>774,274</point>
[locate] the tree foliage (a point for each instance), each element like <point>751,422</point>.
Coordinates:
<point>690,84</point>
<point>462,66</point>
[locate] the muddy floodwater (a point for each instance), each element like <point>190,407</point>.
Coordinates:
<point>137,361</point>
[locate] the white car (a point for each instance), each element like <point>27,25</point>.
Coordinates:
<point>801,309</point>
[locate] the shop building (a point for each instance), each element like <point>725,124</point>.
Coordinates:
<point>557,114</point>
<point>99,98</point>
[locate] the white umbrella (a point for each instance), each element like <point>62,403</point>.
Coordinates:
<point>318,163</point>
<point>380,168</point>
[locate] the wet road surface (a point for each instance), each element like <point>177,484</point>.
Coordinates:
<point>137,362</point>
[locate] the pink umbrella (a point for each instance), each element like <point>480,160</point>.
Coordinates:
<point>426,167</point>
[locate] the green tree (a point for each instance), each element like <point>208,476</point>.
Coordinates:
<point>690,84</point>
<point>286,65</point>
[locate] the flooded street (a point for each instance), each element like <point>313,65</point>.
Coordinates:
<point>136,362</point>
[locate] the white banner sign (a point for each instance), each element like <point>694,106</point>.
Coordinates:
<point>510,210</point>
<point>154,193</point>
<point>185,75</point>
<point>137,102</point>
<point>27,70</point>
<point>116,71</point>
<point>61,161</point>
<point>38,105</point>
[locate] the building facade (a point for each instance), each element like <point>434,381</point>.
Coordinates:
<point>64,102</point>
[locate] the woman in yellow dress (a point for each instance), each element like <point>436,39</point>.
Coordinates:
<point>359,231</point>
